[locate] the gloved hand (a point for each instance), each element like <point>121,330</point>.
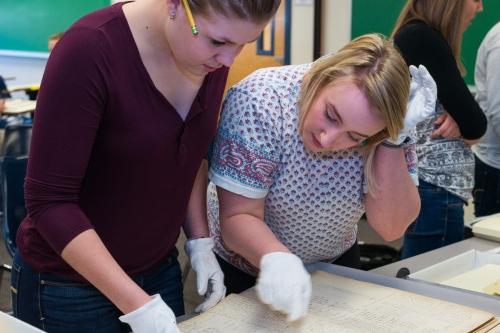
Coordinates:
<point>421,104</point>
<point>284,284</point>
<point>153,317</point>
<point>209,276</point>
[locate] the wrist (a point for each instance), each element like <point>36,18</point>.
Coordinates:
<point>391,145</point>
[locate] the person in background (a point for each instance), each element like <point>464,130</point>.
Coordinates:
<point>4,94</point>
<point>487,151</point>
<point>299,157</point>
<point>128,105</point>
<point>53,40</point>
<point>429,33</point>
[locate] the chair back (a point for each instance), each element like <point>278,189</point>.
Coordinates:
<point>17,140</point>
<point>13,174</point>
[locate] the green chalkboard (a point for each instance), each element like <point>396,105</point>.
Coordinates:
<point>25,25</point>
<point>380,16</point>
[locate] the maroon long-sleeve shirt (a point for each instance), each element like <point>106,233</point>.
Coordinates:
<point>109,152</point>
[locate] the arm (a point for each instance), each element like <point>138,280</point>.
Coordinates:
<point>87,255</point>
<point>196,221</point>
<point>283,283</point>
<point>199,246</point>
<point>492,89</point>
<point>420,44</point>
<point>243,227</point>
<point>396,202</point>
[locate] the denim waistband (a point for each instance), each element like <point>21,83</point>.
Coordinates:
<point>166,261</point>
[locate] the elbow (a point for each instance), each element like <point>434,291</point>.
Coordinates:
<point>226,234</point>
<point>396,225</point>
<point>474,133</point>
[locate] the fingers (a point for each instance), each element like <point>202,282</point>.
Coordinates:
<point>440,119</point>
<point>447,129</point>
<point>202,279</point>
<point>413,71</point>
<point>211,299</point>
<point>299,308</point>
<point>292,300</point>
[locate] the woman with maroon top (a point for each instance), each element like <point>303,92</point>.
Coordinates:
<point>128,105</point>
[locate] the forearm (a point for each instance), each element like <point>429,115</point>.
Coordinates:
<point>196,221</point>
<point>396,202</point>
<point>88,256</point>
<point>250,237</point>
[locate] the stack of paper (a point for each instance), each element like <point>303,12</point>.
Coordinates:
<point>345,305</point>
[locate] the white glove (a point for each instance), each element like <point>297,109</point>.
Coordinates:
<point>153,317</point>
<point>209,276</point>
<point>422,101</point>
<point>284,284</point>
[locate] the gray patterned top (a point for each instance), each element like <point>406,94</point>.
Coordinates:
<point>447,163</point>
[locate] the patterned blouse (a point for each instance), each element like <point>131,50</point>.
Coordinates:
<point>313,200</point>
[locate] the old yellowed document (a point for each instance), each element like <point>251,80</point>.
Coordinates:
<point>342,305</point>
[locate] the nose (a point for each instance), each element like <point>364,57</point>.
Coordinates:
<point>226,56</point>
<point>328,138</point>
<point>480,7</point>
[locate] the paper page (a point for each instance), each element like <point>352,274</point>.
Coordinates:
<point>477,279</point>
<point>342,305</point>
<point>19,106</point>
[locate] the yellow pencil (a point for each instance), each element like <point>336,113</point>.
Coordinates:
<point>190,18</point>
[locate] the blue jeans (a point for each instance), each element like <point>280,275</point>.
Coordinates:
<point>486,189</point>
<point>56,304</point>
<point>440,222</point>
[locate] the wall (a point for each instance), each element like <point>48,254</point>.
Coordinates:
<point>336,20</point>
<point>302,33</point>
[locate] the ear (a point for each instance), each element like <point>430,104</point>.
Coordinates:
<point>172,5</point>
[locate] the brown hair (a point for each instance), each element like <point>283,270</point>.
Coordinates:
<point>443,15</point>
<point>376,67</point>
<point>56,36</point>
<point>257,11</point>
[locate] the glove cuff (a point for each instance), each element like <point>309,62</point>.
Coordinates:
<point>197,244</point>
<point>155,302</point>
<point>268,259</point>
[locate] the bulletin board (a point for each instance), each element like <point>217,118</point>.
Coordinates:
<point>25,25</point>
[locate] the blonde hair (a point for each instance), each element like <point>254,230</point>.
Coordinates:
<point>446,16</point>
<point>257,11</point>
<point>374,65</point>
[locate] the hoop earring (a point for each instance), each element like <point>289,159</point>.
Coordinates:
<point>172,15</point>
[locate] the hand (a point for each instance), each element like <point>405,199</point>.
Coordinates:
<point>447,127</point>
<point>284,284</point>
<point>209,276</point>
<point>153,317</point>
<point>422,101</point>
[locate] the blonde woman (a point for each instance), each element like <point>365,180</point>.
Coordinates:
<point>289,166</point>
<point>429,32</point>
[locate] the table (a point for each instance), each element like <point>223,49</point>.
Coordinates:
<point>18,106</point>
<point>430,258</point>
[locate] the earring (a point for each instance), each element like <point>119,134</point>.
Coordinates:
<point>172,15</point>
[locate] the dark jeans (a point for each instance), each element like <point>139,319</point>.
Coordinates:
<point>486,189</point>
<point>440,222</point>
<point>56,304</point>
<point>237,281</point>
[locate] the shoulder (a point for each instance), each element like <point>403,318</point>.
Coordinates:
<point>418,32</point>
<point>93,27</point>
<point>492,38</point>
<point>272,81</point>
<point>100,18</point>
